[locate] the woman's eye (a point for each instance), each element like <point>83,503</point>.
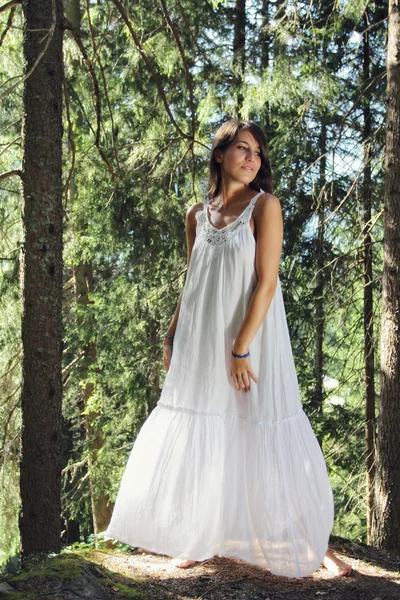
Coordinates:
<point>245,148</point>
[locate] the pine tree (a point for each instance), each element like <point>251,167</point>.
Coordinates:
<point>41,278</point>
<point>386,524</point>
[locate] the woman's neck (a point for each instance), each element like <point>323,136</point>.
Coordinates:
<point>233,191</point>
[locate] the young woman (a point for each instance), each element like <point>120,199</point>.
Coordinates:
<point>227,463</point>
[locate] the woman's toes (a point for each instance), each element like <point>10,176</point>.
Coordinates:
<point>337,566</point>
<point>183,564</point>
<point>343,571</point>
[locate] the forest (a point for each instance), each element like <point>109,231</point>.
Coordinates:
<point>107,115</point>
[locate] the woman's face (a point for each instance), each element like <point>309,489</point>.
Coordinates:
<point>241,161</point>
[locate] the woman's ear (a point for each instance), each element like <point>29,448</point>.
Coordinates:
<point>218,155</point>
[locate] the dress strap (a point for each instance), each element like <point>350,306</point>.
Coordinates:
<point>246,214</point>
<point>254,200</point>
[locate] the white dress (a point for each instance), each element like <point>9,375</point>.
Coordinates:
<point>216,471</point>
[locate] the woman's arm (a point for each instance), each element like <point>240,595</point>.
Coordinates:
<point>190,239</point>
<point>269,229</point>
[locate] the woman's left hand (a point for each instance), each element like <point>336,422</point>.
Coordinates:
<point>241,371</point>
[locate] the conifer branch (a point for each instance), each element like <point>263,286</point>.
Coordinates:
<point>11,5</point>
<point>184,63</point>
<point>72,147</point>
<point>149,66</point>
<point>97,55</point>
<point>96,91</point>
<point>8,174</point>
<point>49,34</point>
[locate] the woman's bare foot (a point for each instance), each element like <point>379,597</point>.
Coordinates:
<point>337,566</point>
<point>182,563</point>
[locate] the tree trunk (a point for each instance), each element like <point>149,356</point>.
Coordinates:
<point>239,58</point>
<point>265,58</point>
<point>369,366</point>
<point>101,508</point>
<point>83,284</point>
<point>318,394</point>
<point>280,6</point>
<point>386,522</point>
<point>41,279</point>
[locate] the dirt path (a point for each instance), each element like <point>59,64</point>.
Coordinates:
<point>376,576</point>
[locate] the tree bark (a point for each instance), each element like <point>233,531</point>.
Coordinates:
<point>41,279</point>
<point>266,42</point>
<point>101,508</point>
<point>386,522</point>
<point>83,284</point>
<point>318,394</point>
<point>239,57</point>
<point>369,364</point>
<point>278,47</point>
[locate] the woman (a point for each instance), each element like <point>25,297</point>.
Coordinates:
<point>227,463</point>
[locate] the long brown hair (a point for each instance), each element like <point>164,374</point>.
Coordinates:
<point>225,137</point>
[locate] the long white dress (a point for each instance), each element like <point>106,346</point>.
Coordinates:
<point>216,471</point>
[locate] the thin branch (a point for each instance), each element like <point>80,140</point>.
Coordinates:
<point>185,64</point>
<point>176,166</point>
<point>10,4</point>
<point>49,35</point>
<point>194,38</point>
<point>71,146</point>
<point>96,92</point>
<point>97,56</point>
<point>10,366</point>
<point>149,66</point>
<point>8,144</point>
<point>6,427</point>
<point>153,164</point>
<point>75,466</point>
<point>8,174</point>
<point>73,363</point>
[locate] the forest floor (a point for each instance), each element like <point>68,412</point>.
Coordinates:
<point>112,575</point>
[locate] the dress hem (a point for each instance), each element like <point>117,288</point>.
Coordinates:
<point>208,556</point>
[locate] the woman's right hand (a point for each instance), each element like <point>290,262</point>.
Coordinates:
<point>167,354</point>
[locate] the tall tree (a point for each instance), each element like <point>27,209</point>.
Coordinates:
<point>41,277</point>
<point>266,42</point>
<point>321,211</point>
<point>239,55</point>
<point>369,362</point>
<point>386,526</point>
<point>318,392</point>
<point>83,285</point>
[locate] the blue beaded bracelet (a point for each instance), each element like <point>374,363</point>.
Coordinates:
<point>240,355</point>
<point>171,337</point>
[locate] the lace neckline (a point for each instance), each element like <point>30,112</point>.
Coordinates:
<point>233,222</point>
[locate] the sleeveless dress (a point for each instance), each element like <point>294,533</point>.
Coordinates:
<point>216,471</point>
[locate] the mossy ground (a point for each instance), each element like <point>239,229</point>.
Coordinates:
<point>55,571</point>
<point>60,566</point>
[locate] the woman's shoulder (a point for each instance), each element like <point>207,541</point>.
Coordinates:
<point>193,212</point>
<point>194,208</point>
<point>266,204</point>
